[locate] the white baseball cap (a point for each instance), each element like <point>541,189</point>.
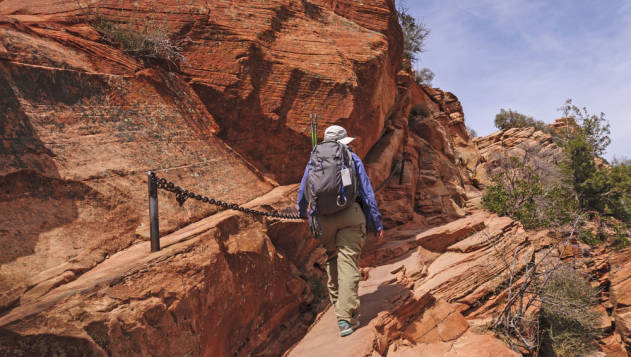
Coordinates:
<point>336,132</point>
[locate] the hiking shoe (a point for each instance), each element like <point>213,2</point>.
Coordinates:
<point>346,328</point>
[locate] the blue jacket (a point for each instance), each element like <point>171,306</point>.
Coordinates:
<point>365,194</point>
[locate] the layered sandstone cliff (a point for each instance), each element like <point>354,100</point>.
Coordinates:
<point>607,267</point>
<point>440,171</point>
<point>82,122</point>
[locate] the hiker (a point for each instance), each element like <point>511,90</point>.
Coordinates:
<point>342,205</point>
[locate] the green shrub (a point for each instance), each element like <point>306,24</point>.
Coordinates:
<point>567,312</point>
<point>588,236</point>
<point>517,203</point>
<point>414,35</point>
<point>592,128</point>
<point>605,189</point>
<point>518,192</point>
<point>424,77</point>
<point>512,119</point>
<point>621,232</point>
<point>149,41</point>
<point>578,167</point>
<point>621,236</point>
<point>472,132</point>
<point>608,190</point>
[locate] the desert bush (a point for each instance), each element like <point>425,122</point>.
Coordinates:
<point>539,196</point>
<point>424,77</point>
<point>615,232</point>
<point>593,128</point>
<point>567,312</point>
<point>559,198</point>
<point>605,189</point>
<point>608,190</point>
<point>507,119</point>
<point>472,132</point>
<point>150,40</point>
<point>547,302</point>
<point>622,235</point>
<point>519,192</point>
<point>578,166</point>
<point>414,35</point>
<point>519,321</point>
<point>514,193</point>
<point>588,236</point>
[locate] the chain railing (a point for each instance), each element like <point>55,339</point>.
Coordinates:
<point>182,195</point>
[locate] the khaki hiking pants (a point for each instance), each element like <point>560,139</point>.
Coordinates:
<point>343,236</point>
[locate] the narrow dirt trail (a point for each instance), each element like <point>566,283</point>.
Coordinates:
<point>405,295</point>
<point>376,295</point>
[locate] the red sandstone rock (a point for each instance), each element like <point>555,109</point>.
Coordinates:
<point>621,293</point>
<point>441,322</point>
<point>83,122</point>
<point>440,173</point>
<point>215,284</point>
<point>79,114</point>
<point>470,345</point>
<point>607,268</point>
<point>536,147</point>
<point>258,70</point>
<point>438,239</point>
<point>74,170</point>
<point>399,298</point>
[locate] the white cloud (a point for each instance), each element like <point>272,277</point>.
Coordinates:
<point>532,55</point>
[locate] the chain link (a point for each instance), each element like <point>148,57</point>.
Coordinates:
<point>181,195</point>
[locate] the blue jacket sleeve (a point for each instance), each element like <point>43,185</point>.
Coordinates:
<point>366,193</point>
<point>302,200</point>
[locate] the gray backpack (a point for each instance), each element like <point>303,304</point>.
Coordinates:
<point>332,180</point>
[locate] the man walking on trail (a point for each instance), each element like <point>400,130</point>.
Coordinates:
<point>341,205</point>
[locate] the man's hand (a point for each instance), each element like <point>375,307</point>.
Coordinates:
<point>380,236</point>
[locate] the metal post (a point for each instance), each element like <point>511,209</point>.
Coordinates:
<point>402,169</point>
<point>154,225</point>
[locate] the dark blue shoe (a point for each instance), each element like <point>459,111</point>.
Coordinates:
<point>346,328</point>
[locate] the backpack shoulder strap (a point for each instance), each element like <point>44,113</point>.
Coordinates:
<point>347,156</point>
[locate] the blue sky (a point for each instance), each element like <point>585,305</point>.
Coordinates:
<point>530,56</point>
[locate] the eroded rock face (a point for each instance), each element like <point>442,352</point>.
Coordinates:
<point>226,285</point>
<point>620,293</point>
<point>440,173</point>
<point>295,58</point>
<point>537,148</point>
<point>606,267</point>
<point>258,70</point>
<point>77,148</point>
<point>82,122</point>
